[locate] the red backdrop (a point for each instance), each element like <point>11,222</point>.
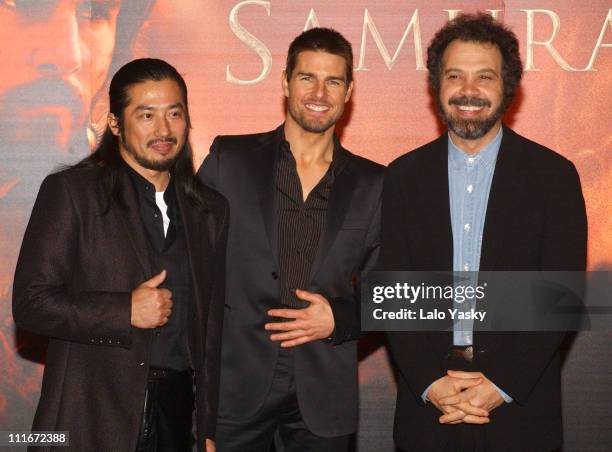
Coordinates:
<point>57,55</point>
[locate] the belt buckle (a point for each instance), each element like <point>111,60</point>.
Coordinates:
<point>467,353</point>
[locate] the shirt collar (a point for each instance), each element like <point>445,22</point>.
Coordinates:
<point>486,156</point>
<point>338,157</point>
<point>146,189</point>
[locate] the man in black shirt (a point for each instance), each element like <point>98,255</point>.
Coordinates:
<point>304,225</point>
<point>122,267</point>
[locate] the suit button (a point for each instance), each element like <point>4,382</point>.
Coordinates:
<point>274,275</point>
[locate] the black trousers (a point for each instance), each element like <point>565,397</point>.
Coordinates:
<point>166,419</point>
<point>278,421</point>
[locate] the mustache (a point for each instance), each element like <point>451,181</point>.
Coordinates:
<point>466,101</point>
<point>172,140</point>
<point>40,93</point>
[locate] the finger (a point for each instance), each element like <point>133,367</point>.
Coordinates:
<point>468,408</point>
<point>462,374</point>
<point>455,399</point>
<point>156,280</point>
<point>471,419</point>
<point>298,341</point>
<point>451,417</point>
<point>165,293</point>
<point>466,383</point>
<point>287,336</point>
<point>284,326</point>
<point>308,296</point>
<point>286,313</point>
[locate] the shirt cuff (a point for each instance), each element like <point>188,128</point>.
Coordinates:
<point>424,395</point>
<point>505,396</point>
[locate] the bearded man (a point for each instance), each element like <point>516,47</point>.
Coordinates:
<point>480,197</point>
<point>121,267</point>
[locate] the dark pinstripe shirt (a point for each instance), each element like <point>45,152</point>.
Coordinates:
<point>300,224</point>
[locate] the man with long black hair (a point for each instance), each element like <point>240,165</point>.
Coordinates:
<point>122,267</point>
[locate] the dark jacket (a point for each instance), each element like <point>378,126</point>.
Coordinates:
<point>242,169</point>
<point>73,283</point>
<point>535,220</point>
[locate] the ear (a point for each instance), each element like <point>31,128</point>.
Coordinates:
<point>349,91</point>
<point>113,124</point>
<point>285,84</point>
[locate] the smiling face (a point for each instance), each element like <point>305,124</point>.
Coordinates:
<point>154,128</point>
<point>471,91</point>
<point>317,91</point>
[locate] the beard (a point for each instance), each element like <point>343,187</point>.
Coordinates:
<point>312,125</point>
<point>48,110</point>
<point>42,126</point>
<point>469,129</point>
<point>154,165</point>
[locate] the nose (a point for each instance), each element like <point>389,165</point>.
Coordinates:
<point>319,89</point>
<point>469,87</point>
<point>59,49</point>
<point>162,127</point>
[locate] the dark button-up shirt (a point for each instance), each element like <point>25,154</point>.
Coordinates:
<point>300,223</point>
<point>167,251</point>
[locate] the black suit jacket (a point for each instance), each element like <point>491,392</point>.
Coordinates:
<point>242,169</point>
<point>535,220</point>
<point>73,283</point>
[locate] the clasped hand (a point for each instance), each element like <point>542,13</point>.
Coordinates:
<point>464,397</point>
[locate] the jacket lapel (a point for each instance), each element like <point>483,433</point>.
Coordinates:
<point>199,240</point>
<point>130,218</point>
<point>339,202</point>
<point>263,162</point>
<point>503,198</point>
<point>433,182</point>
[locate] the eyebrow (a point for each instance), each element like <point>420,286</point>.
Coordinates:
<point>331,77</point>
<point>451,69</point>
<point>169,107</point>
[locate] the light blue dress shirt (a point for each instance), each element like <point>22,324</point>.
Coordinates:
<point>469,182</point>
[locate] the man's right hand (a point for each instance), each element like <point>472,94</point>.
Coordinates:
<point>464,412</point>
<point>151,306</point>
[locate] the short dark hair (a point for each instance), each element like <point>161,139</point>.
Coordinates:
<point>107,156</point>
<point>321,39</point>
<point>481,28</point>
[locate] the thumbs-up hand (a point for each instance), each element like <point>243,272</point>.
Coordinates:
<point>151,306</point>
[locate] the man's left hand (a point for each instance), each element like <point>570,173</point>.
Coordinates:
<point>484,395</point>
<point>308,324</point>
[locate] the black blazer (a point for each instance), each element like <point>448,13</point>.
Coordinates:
<point>73,283</point>
<point>535,220</point>
<point>242,169</point>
